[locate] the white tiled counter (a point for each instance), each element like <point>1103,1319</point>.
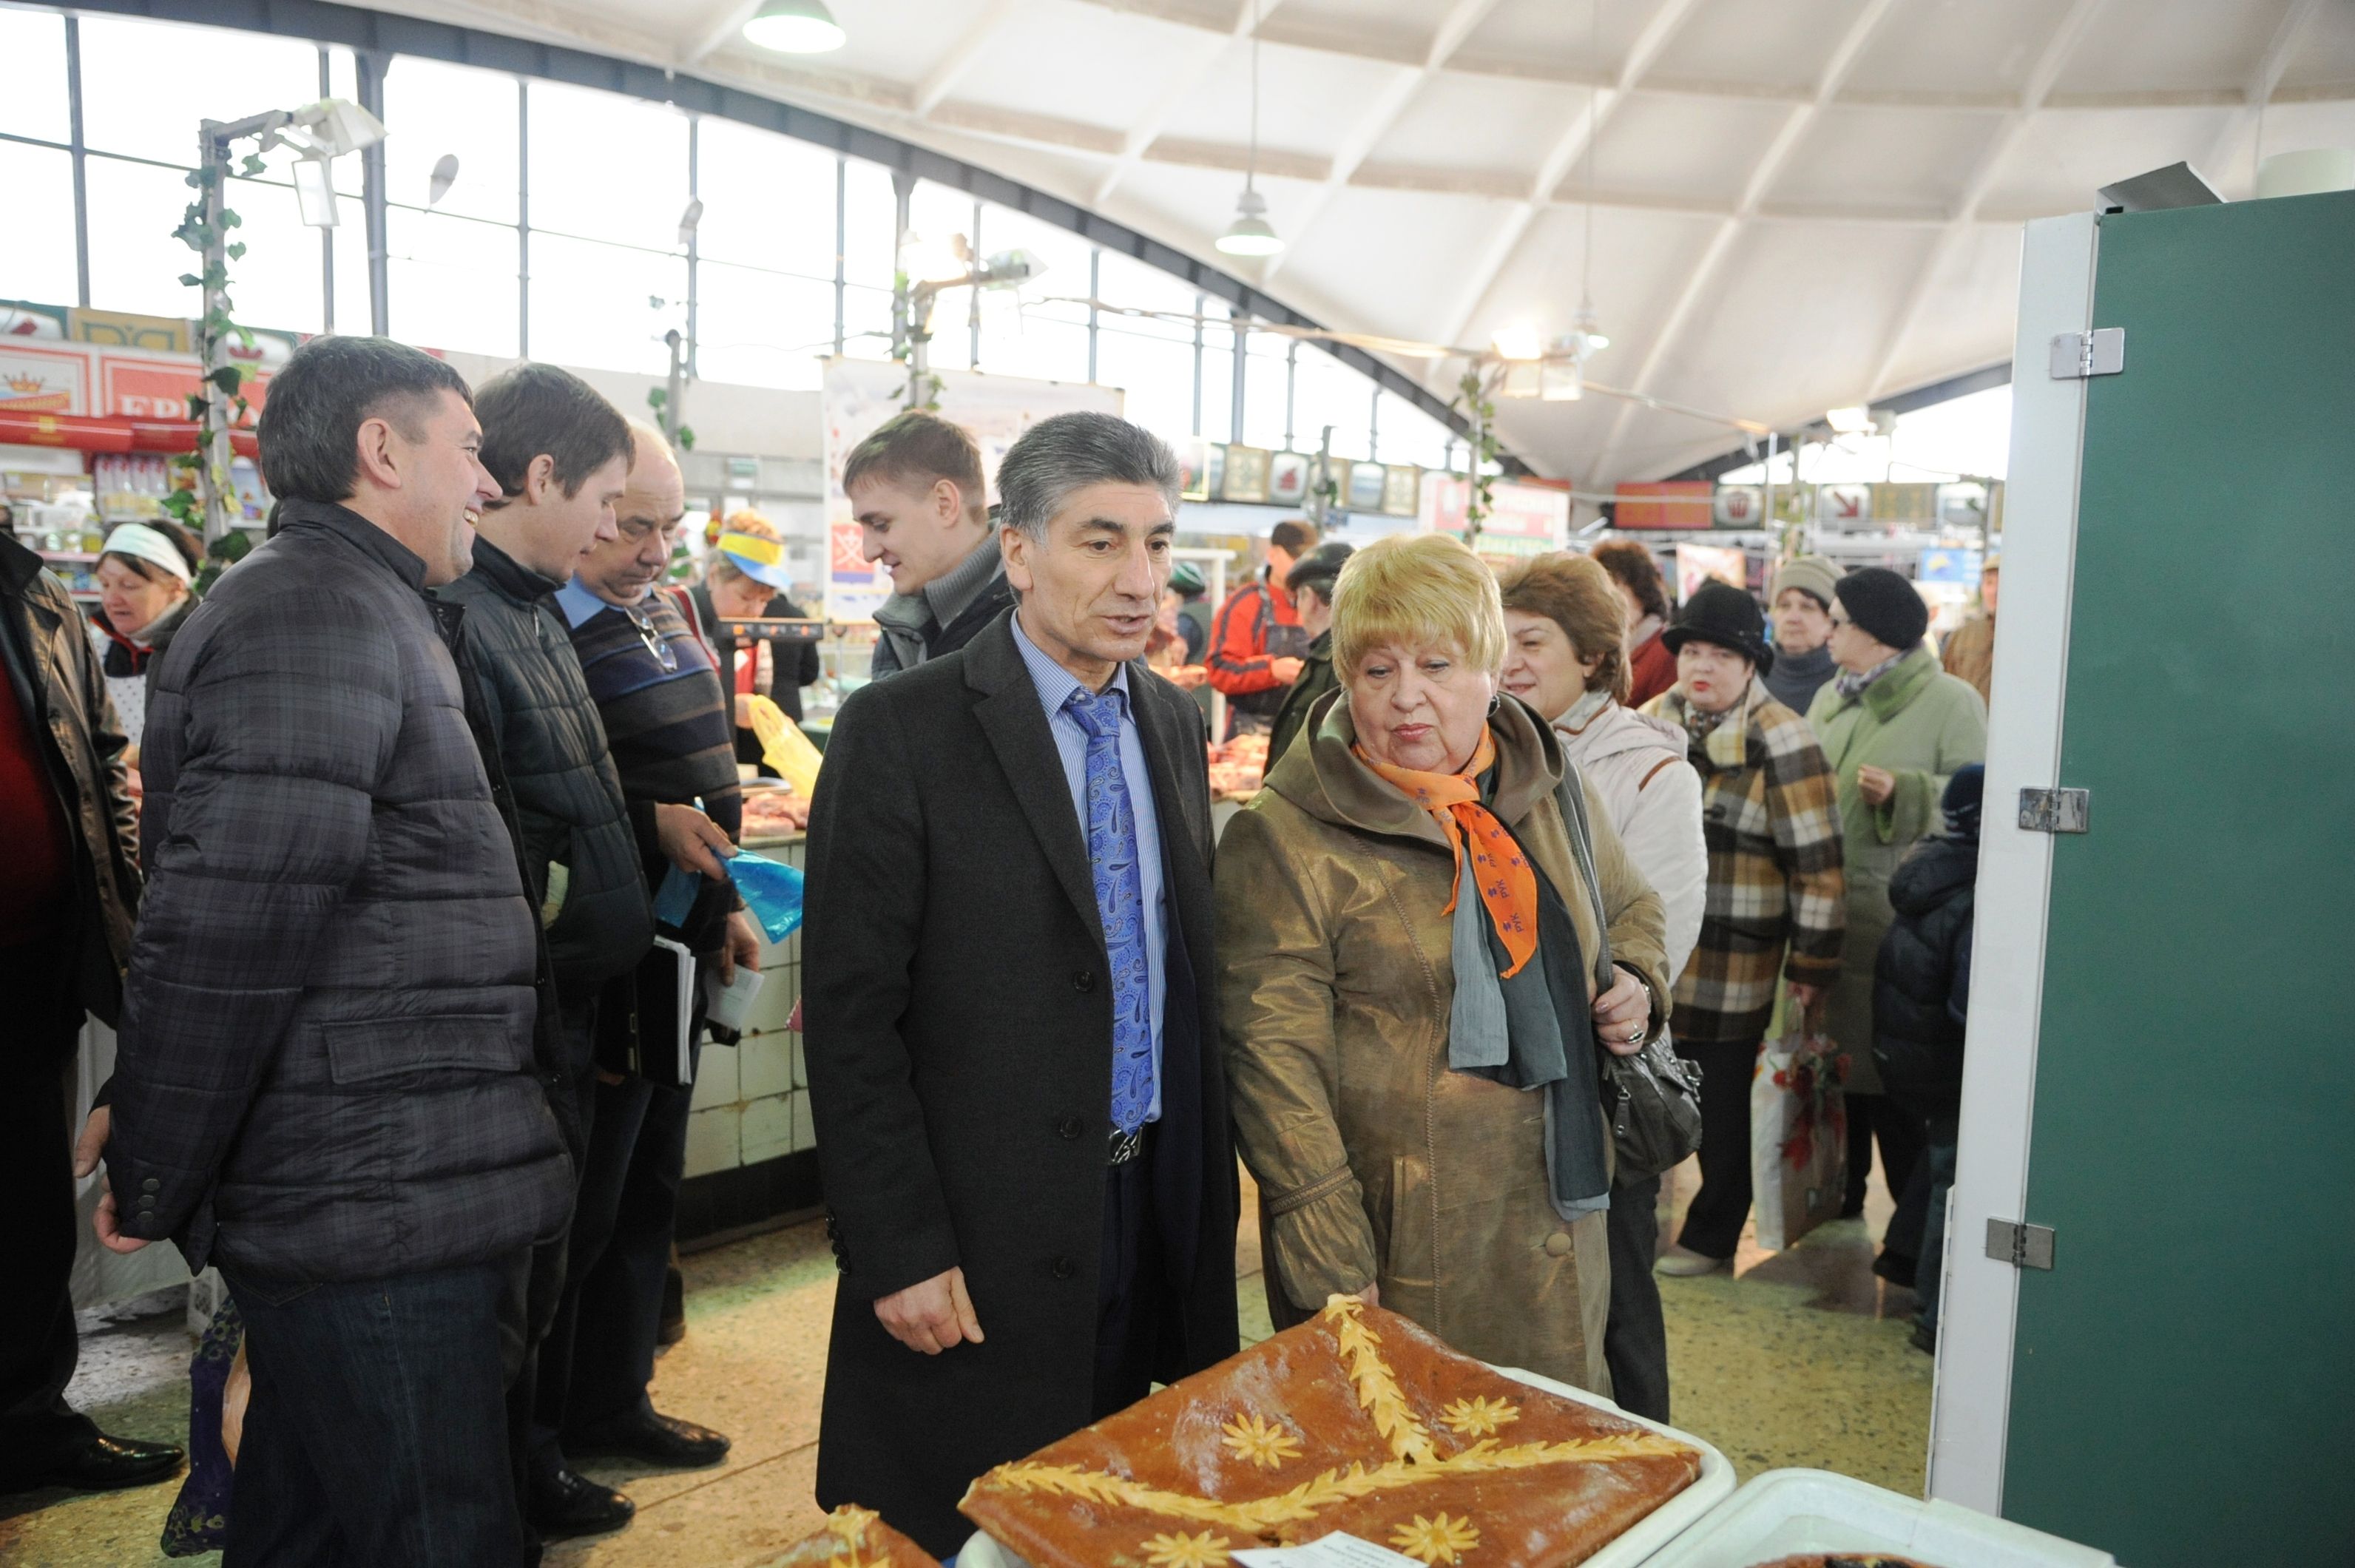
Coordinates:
<point>751,1149</point>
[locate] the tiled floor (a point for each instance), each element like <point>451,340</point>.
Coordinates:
<point>1800,1359</point>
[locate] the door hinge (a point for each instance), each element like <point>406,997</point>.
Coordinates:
<point>2056,810</point>
<point>2020,1244</point>
<point>2077,355</point>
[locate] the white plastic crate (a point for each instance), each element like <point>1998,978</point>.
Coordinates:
<point>1637,1545</point>
<point>1786,1512</point>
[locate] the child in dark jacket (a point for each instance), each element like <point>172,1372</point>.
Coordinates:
<point>1920,996</point>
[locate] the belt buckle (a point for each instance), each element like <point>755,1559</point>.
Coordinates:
<point>1126,1147</point>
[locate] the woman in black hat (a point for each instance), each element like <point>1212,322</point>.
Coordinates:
<point>1775,906</point>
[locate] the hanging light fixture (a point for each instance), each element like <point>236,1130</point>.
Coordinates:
<point>1251,234</point>
<point>795,27</point>
<point>1586,327</point>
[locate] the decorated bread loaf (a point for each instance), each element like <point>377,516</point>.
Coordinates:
<point>1356,1421</point>
<point>855,1538</point>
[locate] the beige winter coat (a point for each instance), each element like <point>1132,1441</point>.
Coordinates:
<point>1376,1163</point>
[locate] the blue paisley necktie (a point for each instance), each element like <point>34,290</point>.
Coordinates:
<point>1120,904</point>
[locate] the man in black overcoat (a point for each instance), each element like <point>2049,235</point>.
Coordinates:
<point>1021,1119</point>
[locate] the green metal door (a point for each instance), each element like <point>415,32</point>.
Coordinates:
<point>2184,1379</point>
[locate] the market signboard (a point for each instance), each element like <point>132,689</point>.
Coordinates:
<point>158,386</point>
<point>1524,519</point>
<point>1664,504</point>
<point>43,378</point>
<point>1844,506</point>
<point>1741,505</point>
<point>860,394</point>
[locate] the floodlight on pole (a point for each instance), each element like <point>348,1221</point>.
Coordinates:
<point>445,175</point>
<point>795,27</point>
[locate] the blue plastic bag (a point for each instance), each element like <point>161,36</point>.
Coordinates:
<point>772,890</point>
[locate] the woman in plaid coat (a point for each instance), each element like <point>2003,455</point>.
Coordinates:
<point>1777,899</point>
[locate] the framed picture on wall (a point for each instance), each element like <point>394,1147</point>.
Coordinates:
<point>1287,478</point>
<point>1368,485</point>
<point>1401,490</point>
<point>1246,476</point>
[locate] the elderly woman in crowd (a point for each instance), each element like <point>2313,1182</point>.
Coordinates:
<point>1773,833</point>
<point>1896,726</point>
<point>144,575</point>
<point>1411,1007</point>
<point>1565,657</point>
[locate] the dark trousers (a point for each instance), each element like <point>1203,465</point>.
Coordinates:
<point>1713,1223</point>
<point>1635,1344</point>
<point>1934,1175</point>
<point>377,1432</point>
<point>1129,1286</point>
<point>37,1223</point>
<point>637,1155</point>
<point>1871,1116</point>
<point>536,1399</point>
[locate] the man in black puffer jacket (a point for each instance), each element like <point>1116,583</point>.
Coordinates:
<point>562,456</point>
<point>1921,1001</point>
<point>327,1081</point>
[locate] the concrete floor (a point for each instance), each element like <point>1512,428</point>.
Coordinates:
<point>1798,1358</point>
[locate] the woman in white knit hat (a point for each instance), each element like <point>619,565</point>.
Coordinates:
<point>145,574</point>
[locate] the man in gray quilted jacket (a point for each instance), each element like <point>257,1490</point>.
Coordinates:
<point>327,1081</point>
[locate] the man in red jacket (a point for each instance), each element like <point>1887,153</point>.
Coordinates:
<point>1256,640</point>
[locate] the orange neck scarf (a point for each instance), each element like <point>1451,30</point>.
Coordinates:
<point>1507,884</point>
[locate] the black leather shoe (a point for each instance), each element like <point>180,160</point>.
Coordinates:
<point>104,1464</point>
<point>566,1503</point>
<point>652,1439</point>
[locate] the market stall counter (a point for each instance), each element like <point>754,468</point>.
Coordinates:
<point>751,1154</point>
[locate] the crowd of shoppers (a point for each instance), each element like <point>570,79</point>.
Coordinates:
<point>397,1046</point>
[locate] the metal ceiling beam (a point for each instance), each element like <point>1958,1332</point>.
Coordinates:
<point>1589,123</point>
<point>2258,93</point>
<point>1174,94</point>
<point>1453,27</point>
<point>943,78</point>
<point>2046,70</point>
<point>1763,176</point>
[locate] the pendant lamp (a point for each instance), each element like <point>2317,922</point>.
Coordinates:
<point>795,27</point>
<point>1251,234</point>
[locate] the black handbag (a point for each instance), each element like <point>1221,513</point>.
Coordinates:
<point>1654,1097</point>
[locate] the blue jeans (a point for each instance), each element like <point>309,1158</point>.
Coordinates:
<point>378,1431</point>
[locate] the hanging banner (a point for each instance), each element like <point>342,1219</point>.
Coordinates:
<point>1741,505</point>
<point>1844,506</point>
<point>43,378</point>
<point>1664,504</point>
<point>1523,520</point>
<point>860,394</point>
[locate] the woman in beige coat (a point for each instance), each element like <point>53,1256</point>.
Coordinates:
<point>1415,1074</point>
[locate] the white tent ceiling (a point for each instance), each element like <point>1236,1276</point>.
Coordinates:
<point>1797,203</point>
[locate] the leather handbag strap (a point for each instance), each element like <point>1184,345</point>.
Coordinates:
<point>1569,795</point>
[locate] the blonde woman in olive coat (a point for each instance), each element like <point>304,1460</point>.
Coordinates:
<point>1414,1074</point>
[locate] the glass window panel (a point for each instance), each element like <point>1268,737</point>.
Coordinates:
<point>1329,392</point>
<point>145,85</point>
<point>1017,343</point>
<point>276,282</point>
<point>937,213</point>
<point>41,254</point>
<point>768,201</point>
<point>590,304</point>
<point>1218,378</point>
<point>607,167</point>
<point>452,282</point>
<point>134,262</point>
<point>430,109</point>
<point>1264,392</point>
<point>866,322</point>
<point>34,44</point>
<point>869,242</point>
<point>1411,436</point>
<point>1157,376</point>
<point>761,329</point>
<point>352,276</point>
<point>1125,282</point>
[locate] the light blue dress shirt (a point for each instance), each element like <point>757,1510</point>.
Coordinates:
<point>1055,686</point>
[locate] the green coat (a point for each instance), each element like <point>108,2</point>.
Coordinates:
<point>1921,724</point>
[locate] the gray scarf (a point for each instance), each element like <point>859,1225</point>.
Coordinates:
<point>1534,1031</point>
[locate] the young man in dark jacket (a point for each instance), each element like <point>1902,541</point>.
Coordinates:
<point>561,457</point>
<point>1921,1002</point>
<point>328,1081</point>
<point>1310,584</point>
<point>916,487</point>
<point>67,895</point>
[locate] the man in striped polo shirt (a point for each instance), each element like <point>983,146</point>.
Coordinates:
<point>669,722</point>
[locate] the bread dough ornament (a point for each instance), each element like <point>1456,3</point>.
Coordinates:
<point>854,1538</point>
<point>1356,1421</point>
